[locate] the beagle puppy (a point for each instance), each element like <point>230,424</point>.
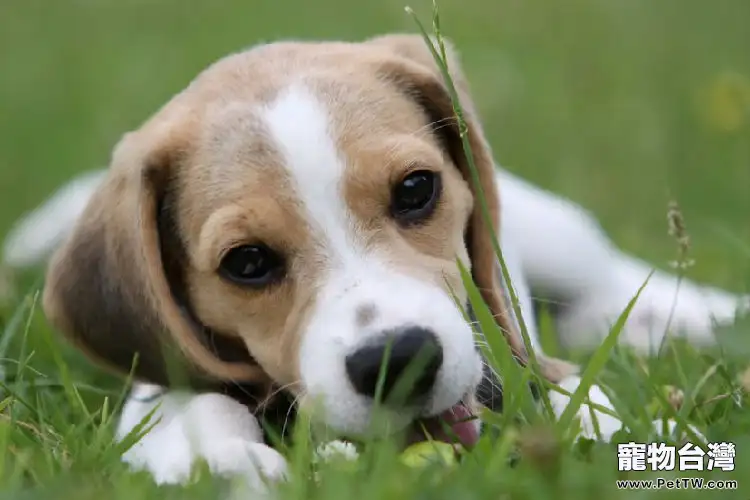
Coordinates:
<point>290,221</point>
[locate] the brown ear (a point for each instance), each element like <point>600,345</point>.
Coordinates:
<point>415,70</point>
<point>107,287</point>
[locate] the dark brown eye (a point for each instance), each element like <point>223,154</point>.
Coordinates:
<point>415,197</point>
<point>252,265</point>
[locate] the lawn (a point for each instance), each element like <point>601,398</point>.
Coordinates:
<point>619,105</point>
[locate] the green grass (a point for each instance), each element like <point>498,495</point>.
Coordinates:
<point>620,105</point>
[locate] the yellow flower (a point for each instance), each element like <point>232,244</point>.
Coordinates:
<point>727,106</point>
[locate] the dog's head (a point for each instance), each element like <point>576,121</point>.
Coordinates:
<point>304,203</point>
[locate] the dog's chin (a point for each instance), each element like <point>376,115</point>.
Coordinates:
<point>457,425</point>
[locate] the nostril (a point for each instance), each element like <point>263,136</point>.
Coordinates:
<point>410,357</point>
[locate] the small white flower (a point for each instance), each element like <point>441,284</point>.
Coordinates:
<point>336,449</point>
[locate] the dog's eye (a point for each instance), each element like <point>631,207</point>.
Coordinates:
<point>252,265</point>
<point>415,197</point>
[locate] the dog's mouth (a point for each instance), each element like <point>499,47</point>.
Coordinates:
<point>455,425</point>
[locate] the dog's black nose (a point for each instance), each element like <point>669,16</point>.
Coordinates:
<point>409,358</point>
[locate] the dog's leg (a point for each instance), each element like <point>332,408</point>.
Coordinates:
<point>188,427</point>
<point>686,309</point>
<point>34,237</point>
<point>559,251</point>
<point>594,424</point>
<point>565,256</point>
<point>37,234</point>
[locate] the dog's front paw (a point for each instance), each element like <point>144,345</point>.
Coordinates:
<point>166,455</point>
<point>258,464</point>
<point>210,427</point>
<point>255,463</point>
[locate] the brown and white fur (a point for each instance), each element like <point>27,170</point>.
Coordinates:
<point>298,146</point>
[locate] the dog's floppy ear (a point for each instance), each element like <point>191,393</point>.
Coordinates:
<point>109,288</point>
<point>413,68</point>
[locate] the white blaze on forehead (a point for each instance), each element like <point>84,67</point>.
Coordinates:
<point>301,129</point>
<point>299,125</point>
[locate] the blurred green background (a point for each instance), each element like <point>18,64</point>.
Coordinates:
<point>617,104</point>
<point>620,105</point>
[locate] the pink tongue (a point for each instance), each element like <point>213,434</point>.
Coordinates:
<point>463,427</point>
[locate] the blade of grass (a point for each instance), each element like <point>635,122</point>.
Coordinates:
<point>681,423</point>
<point>441,60</point>
<point>516,393</point>
<point>22,357</point>
<point>138,431</point>
<point>689,403</point>
<point>23,312</point>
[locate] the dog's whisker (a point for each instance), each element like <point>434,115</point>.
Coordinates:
<point>283,388</point>
<point>268,399</point>
<point>291,408</point>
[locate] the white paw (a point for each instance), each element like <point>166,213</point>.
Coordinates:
<point>164,453</point>
<point>257,464</point>
<point>692,312</point>
<point>606,425</point>
<point>172,462</point>
<point>209,427</point>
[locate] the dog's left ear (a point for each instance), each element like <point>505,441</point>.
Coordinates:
<point>114,288</point>
<point>408,63</point>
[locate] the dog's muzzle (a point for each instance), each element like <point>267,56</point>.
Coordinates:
<point>401,369</point>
